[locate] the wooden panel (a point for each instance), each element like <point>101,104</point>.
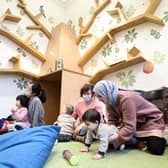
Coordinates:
<point>70,89</point>
<point>52,105</point>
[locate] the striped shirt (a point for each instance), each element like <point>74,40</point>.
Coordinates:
<point>67,123</point>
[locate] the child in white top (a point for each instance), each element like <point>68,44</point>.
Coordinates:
<point>67,123</point>
<point>97,130</point>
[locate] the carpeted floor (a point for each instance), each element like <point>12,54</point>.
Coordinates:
<point>131,158</point>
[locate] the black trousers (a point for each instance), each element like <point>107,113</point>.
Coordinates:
<point>64,138</point>
<point>155,145</point>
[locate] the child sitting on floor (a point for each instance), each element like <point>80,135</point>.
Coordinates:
<point>97,130</point>
<point>19,118</point>
<point>67,123</point>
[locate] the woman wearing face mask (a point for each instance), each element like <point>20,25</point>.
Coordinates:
<point>88,101</point>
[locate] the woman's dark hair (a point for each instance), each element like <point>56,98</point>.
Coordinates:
<point>24,100</point>
<point>91,115</point>
<point>38,91</point>
<point>85,88</point>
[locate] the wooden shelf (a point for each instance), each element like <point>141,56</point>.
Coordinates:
<point>9,16</point>
<point>47,77</point>
<point>23,44</point>
<point>146,17</point>
<point>102,41</point>
<point>19,72</point>
<point>121,65</point>
<point>15,61</point>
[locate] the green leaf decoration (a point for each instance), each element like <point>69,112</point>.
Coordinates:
<point>165,18</point>
<point>126,79</point>
<point>107,50</point>
<point>159,58</point>
<point>83,44</point>
<point>21,83</point>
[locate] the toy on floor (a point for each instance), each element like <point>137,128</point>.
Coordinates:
<point>73,160</point>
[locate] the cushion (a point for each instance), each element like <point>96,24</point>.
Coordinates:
<point>28,148</point>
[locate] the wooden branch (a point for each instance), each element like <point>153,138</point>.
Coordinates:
<point>27,40</point>
<point>118,11</point>
<point>113,68</point>
<point>22,5</point>
<point>113,12</point>
<point>122,15</point>
<point>9,16</point>
<point>86,35</point>
<point>97,3</point>
<point>22,44</point>
<point>34,27</point>
<point>154,19</point>
<point>90,22</point>
<point>38,15</point>
<point>152,7</point>
<point>118,5</point>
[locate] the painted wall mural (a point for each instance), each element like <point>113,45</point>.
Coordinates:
<point>149,38</point>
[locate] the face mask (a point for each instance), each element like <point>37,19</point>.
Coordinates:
<point>87,98</point>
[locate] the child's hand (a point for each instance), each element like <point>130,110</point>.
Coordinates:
<point>13,109</point>
<point>97,157</point>
<point>85,149</point>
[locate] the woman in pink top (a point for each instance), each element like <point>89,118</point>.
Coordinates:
<point>88,101</point>
<point>134,115</point>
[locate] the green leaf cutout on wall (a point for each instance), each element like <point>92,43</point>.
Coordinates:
<point>83,44</point>
<point>126,79</point>
<point>107,50</point>
<point>131,11</point>
<point>165,18</point>
<point>71,24</point>
<point>155,33</point>
<point>21,51</point>
<point>131,35</point>
<point>20,32</point>
<point>34,64</point>
<point>159,58</point>
<point>21,83</point>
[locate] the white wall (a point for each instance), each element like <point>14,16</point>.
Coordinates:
<point>152,47</point>
<point>10,87</point>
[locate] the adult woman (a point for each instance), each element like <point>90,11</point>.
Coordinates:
<point>35,107</point>
<point>88,101</point>
<point>135,116</point>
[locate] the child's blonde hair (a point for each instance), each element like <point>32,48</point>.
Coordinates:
<point>69,109</point>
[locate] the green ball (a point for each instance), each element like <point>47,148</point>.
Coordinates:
<point>74,160</point>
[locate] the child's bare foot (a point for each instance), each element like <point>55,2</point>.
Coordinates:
<point>85,149</point>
